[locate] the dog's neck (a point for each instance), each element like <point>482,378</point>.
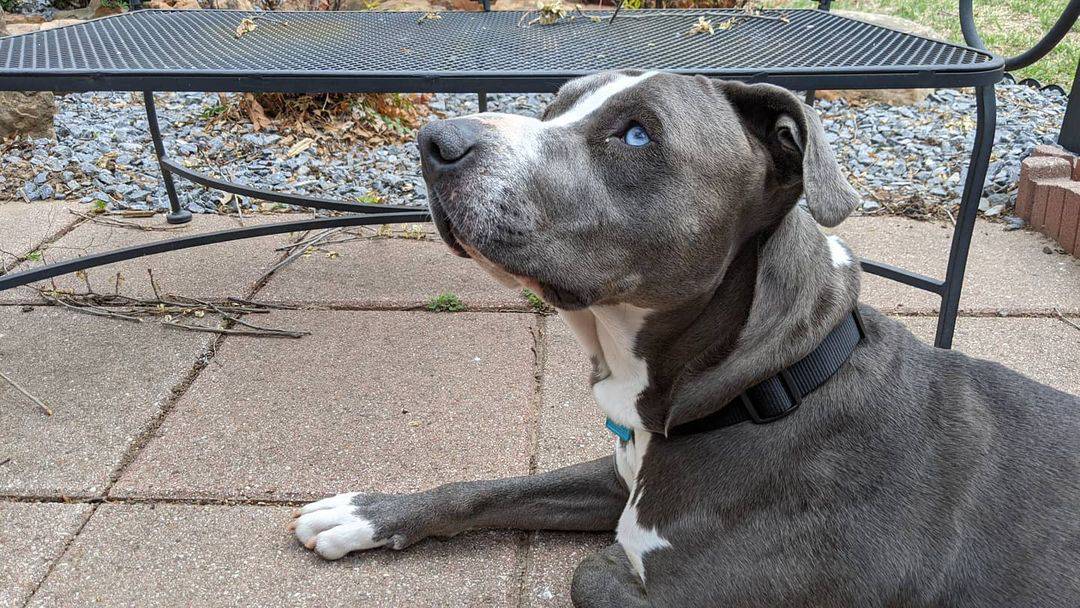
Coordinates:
<point>781,294</point>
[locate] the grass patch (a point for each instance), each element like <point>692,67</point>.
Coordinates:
<point>535,302</point>
<point>446,302</point>
<point>1008,27</point>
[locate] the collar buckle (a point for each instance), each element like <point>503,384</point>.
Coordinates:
<point>794,397</point>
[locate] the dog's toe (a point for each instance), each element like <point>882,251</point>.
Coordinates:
<point>339,540</point>
<point>339,500</point>
<point>331,527</point>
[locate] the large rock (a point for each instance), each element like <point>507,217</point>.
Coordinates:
<point>97,9</point>
<point>26,114</point>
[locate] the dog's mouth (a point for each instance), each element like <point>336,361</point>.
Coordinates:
<point>445,226</point>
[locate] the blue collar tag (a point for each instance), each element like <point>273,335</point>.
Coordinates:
<point>619,430</point>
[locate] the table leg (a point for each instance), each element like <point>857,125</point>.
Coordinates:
<point>986,123</point>
<point>176,214</point>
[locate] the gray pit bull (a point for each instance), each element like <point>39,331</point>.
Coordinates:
<point>657,213</point>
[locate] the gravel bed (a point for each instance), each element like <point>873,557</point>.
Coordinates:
<point>903,159</point>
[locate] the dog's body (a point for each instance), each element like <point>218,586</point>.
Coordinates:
<point>912,477</point>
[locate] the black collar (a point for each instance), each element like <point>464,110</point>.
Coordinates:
<point>780,395</point>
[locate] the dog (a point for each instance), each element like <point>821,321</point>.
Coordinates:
<point>660,215</point>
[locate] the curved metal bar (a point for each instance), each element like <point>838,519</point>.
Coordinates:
<point>986,125</point>
<point>197,240</point>
<point>1042,47</point>
<point>169,166</point>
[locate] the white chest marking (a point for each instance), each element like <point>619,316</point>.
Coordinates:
<point>617,327</point>
<point>636,540</point>
<point>839,253</point>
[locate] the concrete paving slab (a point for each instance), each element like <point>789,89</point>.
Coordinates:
<point>387,272</point>
<point>1006,270</point>
<point>1045,349</point>
<point>215,271</point>
<point>25,226</point>
<point>105,381</point>
<point>185,555</point>
<point>553,557</point>
<point>32,537</point>
<point>390,401</point>
<point>571,424</point>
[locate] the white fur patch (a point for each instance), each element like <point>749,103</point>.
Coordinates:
<point>839,253</point>
<point>596,99</point>
<point>617,327</point>
<point>637,540</point>
<point>331,528</point>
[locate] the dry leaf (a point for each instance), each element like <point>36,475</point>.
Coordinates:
<point>256,113</point>
<point>702,26</point>
<point>429,17</point>
<point>300,146</point>
<point>246,26</point>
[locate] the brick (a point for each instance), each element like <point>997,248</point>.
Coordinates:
<point>1025,197</point>
<point>1069,234</point>
<point>1033,170</point>
<point>1045,167</point>
<point>1054,203</point>
<point>1038,207</point>
<point>1050,150</point>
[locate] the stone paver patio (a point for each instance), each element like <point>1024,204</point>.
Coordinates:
<point>165,475</point>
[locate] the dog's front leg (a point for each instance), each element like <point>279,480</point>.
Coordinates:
<point>587,496</point>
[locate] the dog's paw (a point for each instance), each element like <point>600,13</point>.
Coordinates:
<point>334,526</point>
<point>358,521</point>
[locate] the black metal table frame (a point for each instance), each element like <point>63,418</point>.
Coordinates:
<point>948,289</point>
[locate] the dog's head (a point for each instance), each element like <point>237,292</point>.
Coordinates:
<point>632,187</point>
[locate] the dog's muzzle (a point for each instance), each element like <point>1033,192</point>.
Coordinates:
<point>447,151</point>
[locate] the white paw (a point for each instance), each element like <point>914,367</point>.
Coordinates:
<point>331,527</point>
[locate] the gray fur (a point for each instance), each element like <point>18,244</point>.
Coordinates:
<point>914,477</point>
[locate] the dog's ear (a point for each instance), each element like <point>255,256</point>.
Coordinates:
<point>792,132</point>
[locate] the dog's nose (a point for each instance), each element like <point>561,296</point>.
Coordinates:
<point>444,144</point>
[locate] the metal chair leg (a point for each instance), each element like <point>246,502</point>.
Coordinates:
<point>176,214</point>
<point>986,123</point>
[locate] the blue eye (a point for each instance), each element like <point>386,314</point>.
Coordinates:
<point>636,136</point>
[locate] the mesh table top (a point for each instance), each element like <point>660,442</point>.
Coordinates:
<point>167,50</point>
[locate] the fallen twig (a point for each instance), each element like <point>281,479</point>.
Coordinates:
<point>108,221</point>
<point>296,254</point>
<point>38,402</point>
<point>1065,319</point>
<point>235,332</point>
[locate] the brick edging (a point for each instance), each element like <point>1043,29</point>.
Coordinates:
<point>1048,198</point>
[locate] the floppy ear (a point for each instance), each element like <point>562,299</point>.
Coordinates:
<point>791,130</point>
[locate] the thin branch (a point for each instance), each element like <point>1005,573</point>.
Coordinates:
<point>38,402</point>
<point>89,309</point>
<point>1063,318</point>
<point>234,332</point>
<point>296,254</point>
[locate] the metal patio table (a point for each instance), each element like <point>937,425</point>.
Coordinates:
<point>483,52</point>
